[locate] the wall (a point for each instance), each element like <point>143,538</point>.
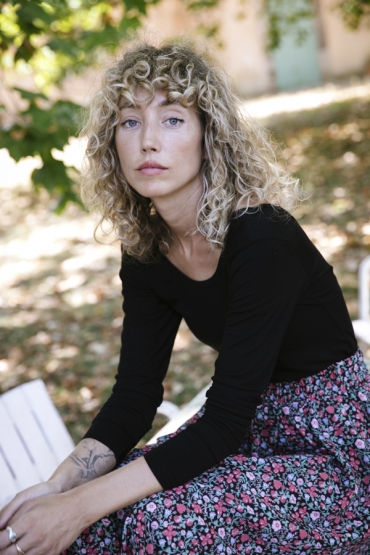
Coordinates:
<point>242,34</point>
<point>346,51</point>
<point>243,54</point>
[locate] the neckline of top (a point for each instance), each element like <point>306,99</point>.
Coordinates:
<point>213,278</point>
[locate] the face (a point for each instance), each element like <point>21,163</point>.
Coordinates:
<point>160,148</point>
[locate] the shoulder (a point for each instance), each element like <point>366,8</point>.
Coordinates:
<point>264,224</point>
<point>137,272</point>
<point>269,233</point>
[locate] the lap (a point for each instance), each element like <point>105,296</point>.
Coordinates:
<point>247,504</point>
<point>294,487</point>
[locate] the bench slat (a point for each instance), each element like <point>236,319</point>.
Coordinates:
<point>47,415</point>
<point>29,429</point>
<point>8,487</point>
<point>15,452</point>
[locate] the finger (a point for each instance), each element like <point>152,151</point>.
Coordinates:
<point>29,547</point>
<point>30,493</point>
<point>12,549</point>
<point>23,542</point>
<point>4,539</point>
<point>8,511</point>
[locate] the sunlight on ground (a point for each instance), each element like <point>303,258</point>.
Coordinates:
<point>309,99</point>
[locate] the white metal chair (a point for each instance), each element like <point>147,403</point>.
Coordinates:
<point>362,325</point>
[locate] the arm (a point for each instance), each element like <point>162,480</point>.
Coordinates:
<point>265,281</point>
<point>69,498</point>
<point>49,524</point>
<point>89,460</point>
<point>149,330</point>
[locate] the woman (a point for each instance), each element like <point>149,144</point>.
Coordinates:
<point>277,459</point>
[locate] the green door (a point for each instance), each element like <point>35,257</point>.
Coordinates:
<point>296,63</point>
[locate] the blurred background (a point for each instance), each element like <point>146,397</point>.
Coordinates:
<point>302,67</point>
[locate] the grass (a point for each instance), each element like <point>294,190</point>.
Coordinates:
<point>60,305</point>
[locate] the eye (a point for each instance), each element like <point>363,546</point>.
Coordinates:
<point>129,123</point>
<point>174,121</point>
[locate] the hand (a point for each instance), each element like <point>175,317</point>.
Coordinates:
<point>45,488</point>
<point>45,525</point>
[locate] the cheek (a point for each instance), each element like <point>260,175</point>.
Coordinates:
<point>192,149</point>
<point>123,151</point>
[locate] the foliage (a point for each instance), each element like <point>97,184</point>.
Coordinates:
<point>287,16</point>
<point>51,40</point>
<point>355,12</point>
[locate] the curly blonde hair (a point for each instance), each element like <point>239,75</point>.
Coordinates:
<point>240,169</point>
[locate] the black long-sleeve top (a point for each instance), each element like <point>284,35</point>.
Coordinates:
<point>274,312</point>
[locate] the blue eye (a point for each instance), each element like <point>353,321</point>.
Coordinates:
<point>174,121</point>
<point>130,123</point>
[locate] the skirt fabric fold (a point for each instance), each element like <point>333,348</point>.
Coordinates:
<point>299,484</point>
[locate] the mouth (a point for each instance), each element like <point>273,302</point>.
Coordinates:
<point>151,165</point>
<point>151,168</point>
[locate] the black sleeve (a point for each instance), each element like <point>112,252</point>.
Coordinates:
<point>265,282</point>
<point>149,330</point>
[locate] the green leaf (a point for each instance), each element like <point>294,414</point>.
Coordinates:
<point>139,5</point>
<point>42,120</point>
<point>128,24</point>
<point>18,148</point>
<point>68,47</point>
<point>28,95</point>
<point>69,196</point>
<point>52,176</point>
<point>25,51</point>
<point>106,38</point>
<point>201,4</point>
<point>66,114</point>
<point>31,11</point>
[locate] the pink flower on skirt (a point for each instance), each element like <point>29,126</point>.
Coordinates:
<point>276,525</point>
<point>314,423</point>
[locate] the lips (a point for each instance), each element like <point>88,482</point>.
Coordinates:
<point>151,168</point>
<point>150,164</point>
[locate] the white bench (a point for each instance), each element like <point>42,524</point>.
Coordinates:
<point>182,415</point>
<point>362,325</point>
<point>33,437</point>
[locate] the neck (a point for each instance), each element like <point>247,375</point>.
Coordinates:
<point>180,214</point>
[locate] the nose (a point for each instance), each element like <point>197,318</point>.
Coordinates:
<point>150,138</point>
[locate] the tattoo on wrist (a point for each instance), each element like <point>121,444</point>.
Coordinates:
<point>91,462</point>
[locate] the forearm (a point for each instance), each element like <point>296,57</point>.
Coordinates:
<point>89,460</point>
<point>114,491</point>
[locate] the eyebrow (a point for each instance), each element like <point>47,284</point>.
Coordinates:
<point>164,102</point>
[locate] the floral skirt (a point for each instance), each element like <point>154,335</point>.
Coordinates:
<point>299,484</point>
